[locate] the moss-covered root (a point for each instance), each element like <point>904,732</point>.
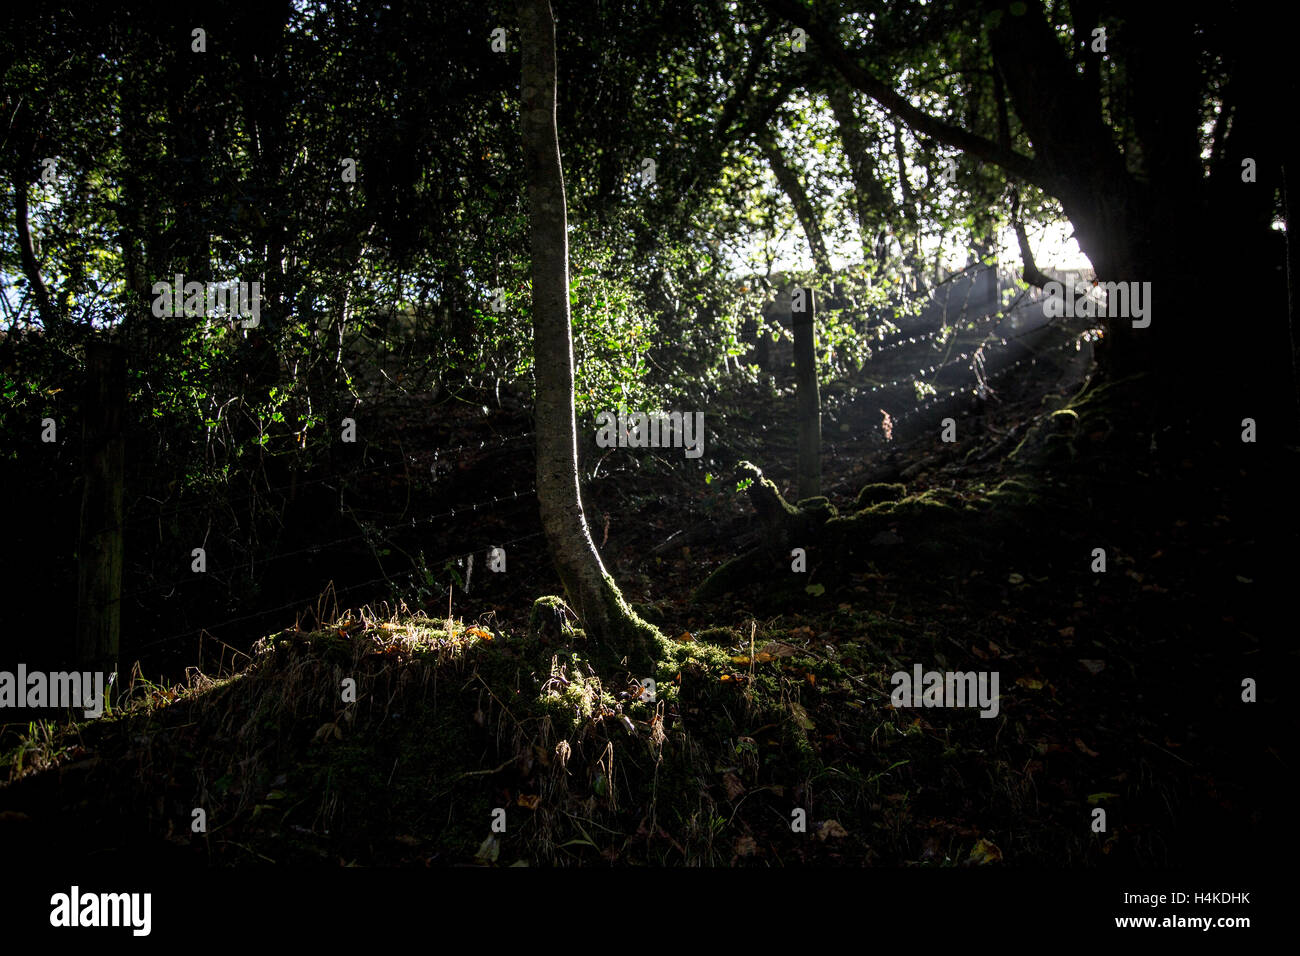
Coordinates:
<point>771,508</point>
<point>552,620</point>
<point>629,635</point>
<point>878,492</point>
<point>615,632</point>
<point>786,524</point>
<point>785,521</point>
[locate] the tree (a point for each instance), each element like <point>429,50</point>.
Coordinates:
<point>1145,152</point>
<point>590,588</point>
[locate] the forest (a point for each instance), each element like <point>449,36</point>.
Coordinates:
<point>749,434</point>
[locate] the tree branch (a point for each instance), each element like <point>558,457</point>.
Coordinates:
<point>788,179</point>
<point>1016,164</point>
<point>50,318</point>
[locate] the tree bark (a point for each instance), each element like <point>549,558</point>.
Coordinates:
<point>590,589</point>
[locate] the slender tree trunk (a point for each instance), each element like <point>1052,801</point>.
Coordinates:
<point>591,591</point>
<point>808,398</point>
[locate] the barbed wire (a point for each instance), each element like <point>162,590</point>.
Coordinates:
<point>306,599</point>
<point>337,476</point>
<point>472,508</point>
<point>876,434</point>
<point>990,345</point>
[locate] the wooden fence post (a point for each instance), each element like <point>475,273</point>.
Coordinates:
<point>808,396</point>
<point>99,551</point>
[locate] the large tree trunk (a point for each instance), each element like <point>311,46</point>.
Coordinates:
<point>1165,223</point>
<point>590,589</point>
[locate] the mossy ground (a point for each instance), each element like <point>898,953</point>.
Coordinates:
<point>1116,690</point>
<point>445,730</point>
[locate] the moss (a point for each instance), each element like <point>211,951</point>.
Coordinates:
<point>816,506</point>
<point>447,729</point>
<point>630,635</point>
<point>877,492</point>
<point>1013,491</point>
<point>681,654</point>
<point>722,636</point>
<point>764,496</point>
<point>651,614</point>
<point>551,616</point>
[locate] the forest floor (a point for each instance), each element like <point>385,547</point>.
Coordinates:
<point>485,735</point>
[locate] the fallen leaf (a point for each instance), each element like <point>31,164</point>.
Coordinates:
<point>1085,748</point>
<point>831,830</point>
<point>1094,666</point>
<point>984,852</point>
<point>326,730</point>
